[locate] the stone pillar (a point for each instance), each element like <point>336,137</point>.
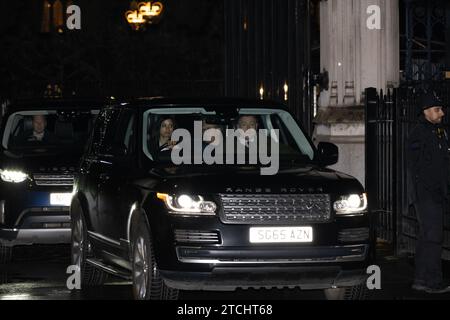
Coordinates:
<point>358,52</point>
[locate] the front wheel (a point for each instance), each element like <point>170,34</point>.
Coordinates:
<point>147,282</point>
<point>89,275</point>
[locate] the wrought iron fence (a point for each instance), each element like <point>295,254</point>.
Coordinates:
<point>390,118</point>
<point>380,148</point>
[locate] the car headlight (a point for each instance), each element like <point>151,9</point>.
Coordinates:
<point>187,204</point>
<point>349,204</point>
<point>14,176</point>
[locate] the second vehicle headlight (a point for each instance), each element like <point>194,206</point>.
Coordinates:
<point>14,176</point>
<point>187,204</point>
<point>350,204</point>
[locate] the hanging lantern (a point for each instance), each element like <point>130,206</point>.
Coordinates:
<point>143,13</point>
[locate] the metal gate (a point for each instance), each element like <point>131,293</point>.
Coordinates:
<point>268,53</point>
<point>390,118</point>
<point>380,166</point>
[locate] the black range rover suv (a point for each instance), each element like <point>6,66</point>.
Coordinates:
<point>140,214</point>
<point>41,145</point>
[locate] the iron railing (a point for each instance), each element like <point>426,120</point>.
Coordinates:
<point>390,117</point>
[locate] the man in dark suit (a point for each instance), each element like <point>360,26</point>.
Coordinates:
<point>428,177</point>
<point>39,133</point>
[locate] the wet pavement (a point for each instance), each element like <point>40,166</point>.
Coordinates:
<point>39,272</point>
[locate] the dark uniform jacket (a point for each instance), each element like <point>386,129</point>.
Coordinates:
<point>28,138</point>
<point>428,161</point>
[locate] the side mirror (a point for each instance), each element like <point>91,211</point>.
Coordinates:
<point>328,153</point>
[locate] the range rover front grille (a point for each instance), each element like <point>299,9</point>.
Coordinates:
<point>275,208</point>
<point>53,179</point>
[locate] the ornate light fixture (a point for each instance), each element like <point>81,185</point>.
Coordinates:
<point>142,14</point>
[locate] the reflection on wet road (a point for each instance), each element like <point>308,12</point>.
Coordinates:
<point>39,272</point>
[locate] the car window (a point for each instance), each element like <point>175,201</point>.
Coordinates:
<point>125,133</point>
<point>58,129</point>
<point>293,143</point>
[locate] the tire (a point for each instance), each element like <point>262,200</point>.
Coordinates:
<point>89,275</point>
<point>147,282</point>
<point>5,254</point>
<point>358,292</point>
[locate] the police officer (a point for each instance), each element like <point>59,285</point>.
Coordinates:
<point>428,173</point>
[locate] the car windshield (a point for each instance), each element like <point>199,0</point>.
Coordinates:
<point>48,129</point>
<point>194,134</point>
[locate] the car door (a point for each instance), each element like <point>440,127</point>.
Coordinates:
<point>116,172</point>
<point>93,166</point>
<point>88,174</point>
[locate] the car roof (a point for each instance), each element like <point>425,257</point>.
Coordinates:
<point>149,102</point>
<point>59,104</point>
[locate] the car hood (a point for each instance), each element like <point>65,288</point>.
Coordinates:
<point>45,161</point>
<point>307,179</point>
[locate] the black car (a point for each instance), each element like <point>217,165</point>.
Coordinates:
<point>42,143</point>
<point>149,205</point>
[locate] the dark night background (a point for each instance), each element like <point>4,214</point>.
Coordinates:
<point>181,55</point>
<point>199,48</point>
<point>222,48</point>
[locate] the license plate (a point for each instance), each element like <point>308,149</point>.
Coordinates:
<point>60,199</point>
<point>281,235</point>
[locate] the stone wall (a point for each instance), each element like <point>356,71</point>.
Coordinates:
<point>356,56</point>
<point>344,126</point>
